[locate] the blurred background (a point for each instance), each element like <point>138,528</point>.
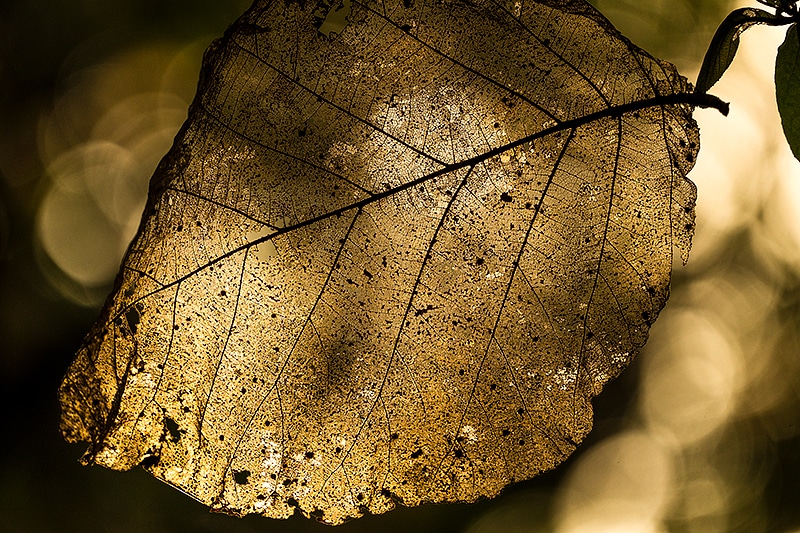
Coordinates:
<point>700,434</point>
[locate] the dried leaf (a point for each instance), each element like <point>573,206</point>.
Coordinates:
<point>392,264</point>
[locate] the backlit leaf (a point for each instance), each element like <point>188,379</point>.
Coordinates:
<point>725,43</point>
<point>393,262</point>
<point>787,88</point>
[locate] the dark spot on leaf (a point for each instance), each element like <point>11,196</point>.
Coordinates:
<point>506,432</point>
<point>291,502</point>
<point>149,461</point>
<point>420,312</point>
<point>506,197</point>
<point>172,427</point>
<point>309,455</point>
<point>241,477</point>
<point>417,453</point>
<point>331,17</point>
<point>458,453</point>
<point>132,317</point>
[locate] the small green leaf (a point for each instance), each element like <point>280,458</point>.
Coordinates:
<point>725,43</point>
<point>787,87</point>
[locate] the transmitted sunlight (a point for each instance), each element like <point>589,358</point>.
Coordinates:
<point>721,364</point>
<point>699,442</point>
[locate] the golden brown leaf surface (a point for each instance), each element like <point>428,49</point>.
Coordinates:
<point>392,264</point>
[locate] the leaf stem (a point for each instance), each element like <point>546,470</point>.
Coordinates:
<point>705,101</point>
